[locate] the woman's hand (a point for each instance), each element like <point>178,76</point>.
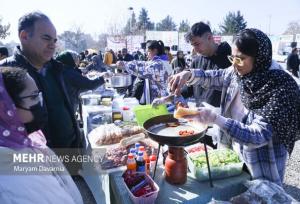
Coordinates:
<point>120,65</point>
<point>206,116</point>
<point>106,75</point>
<point>158,101</point>
<point>177,81</point>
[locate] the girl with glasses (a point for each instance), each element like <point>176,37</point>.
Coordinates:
<point>260,105</point>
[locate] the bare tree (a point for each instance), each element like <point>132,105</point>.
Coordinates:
<point>115,27</point>
<point>74,39</point>
<point>184,26</point>
<point>4,30</point>
<point>293,28</point>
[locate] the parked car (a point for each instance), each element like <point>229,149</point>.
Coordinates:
<point>280,58</point>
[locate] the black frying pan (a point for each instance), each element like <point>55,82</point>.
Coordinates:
<point>159,130</point>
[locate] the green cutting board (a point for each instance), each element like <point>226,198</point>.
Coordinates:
<point>145,112</point>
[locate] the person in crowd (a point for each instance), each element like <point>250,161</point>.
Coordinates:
<point>211,56</point>
<point>293,62</point>
<point>100,55</point>
<point>76,83</point>
<point>15,138</point>
<point>119,55</point>
<point>38,39</point>
<point>87,55</point>
<point>82,61</point>
<point>178,63</point>
<point>260,105</point>
<point>153,69</point>
<point>190,57</point>
<point>81,56</point>
<point>96,64</point>
<point>126,56</point>
<point>115,59</point>
<point>26,96</point>
<point>108,57</point>
<point>139,56</point>
<point>168,53</point>
<point>3,52</point>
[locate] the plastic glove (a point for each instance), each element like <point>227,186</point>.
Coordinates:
<point>107,74</point>
<point>158,101</point>
<point>206,116</point>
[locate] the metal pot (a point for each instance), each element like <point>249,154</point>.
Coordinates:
<point>120,80</point>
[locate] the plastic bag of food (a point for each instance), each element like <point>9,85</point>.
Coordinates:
<point>111,134</point>
<point>265,192</point>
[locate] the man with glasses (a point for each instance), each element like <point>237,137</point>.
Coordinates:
<point>38,40</point>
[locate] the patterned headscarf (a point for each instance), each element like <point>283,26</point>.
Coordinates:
<point>12,131</point>
<point>68,57</point>
<point>272,94</point>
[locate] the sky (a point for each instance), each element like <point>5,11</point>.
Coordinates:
<point>97,16</point>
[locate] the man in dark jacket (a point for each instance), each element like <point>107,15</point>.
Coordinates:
<point>38,37</point>
<point>75,82</point>
<point>126,56</point>
<point>293,62</point>
<point>212,56</point>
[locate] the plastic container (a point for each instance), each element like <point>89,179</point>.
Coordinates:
<point>147,198</point>
<point>131,103</point>
<point>197,148</point>
<point>217,172</point>
<point>117,105</point>
<point>90,99</point>
<point>127,114</point>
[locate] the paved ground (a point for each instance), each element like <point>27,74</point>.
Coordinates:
<point>84,190</point>
<point>292,175</point>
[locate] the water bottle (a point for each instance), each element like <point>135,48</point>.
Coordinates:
<point>131,163</point>
<point>140,162</point>
<point>133,151</point>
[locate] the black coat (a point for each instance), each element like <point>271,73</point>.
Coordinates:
<point>76,84</point>
<point>18,60</point>
<point>293,62</point>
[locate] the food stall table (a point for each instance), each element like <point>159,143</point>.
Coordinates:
<point>97,183</point>
<point>192,191</point>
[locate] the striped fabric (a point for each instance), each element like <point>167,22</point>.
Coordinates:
<point>263,158</point>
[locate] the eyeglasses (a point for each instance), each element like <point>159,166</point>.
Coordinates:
<point>38,95</point>
<point>236,60</point>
